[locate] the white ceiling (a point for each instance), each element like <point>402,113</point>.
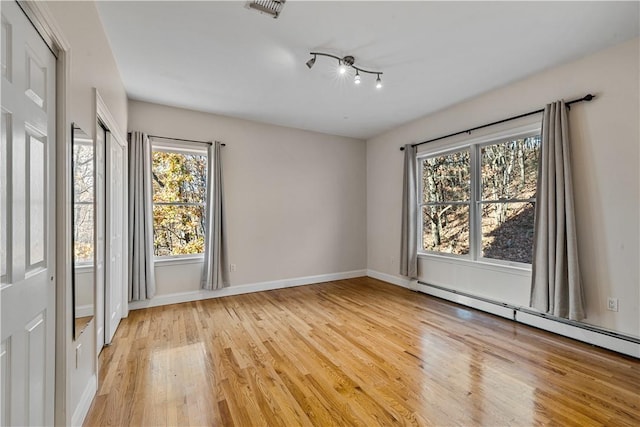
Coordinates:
<point>223,58</point>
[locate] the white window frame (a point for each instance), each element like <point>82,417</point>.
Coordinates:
<point>473,145</point>
<point>187,149</point>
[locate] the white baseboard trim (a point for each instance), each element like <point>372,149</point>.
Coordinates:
<point>180,297</point>
<point>498,310</point>
<point>399,281</point>
<point>585,335</point>
<point>588,334</point>
<point>85,401</point>
<point>84,310</point>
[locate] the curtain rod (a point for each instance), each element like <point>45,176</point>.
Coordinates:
<point>587,97</point>
<point>185,140</point>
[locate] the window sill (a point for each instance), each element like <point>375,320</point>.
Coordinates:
<point>178,260</point>
<point>483,264</point>
<point>83,268</point>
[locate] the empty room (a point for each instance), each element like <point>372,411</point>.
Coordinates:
<point>320,213</point>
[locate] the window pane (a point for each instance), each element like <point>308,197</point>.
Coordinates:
<point>446,229</point>
<point>446,178</point>
<point>83,233</point>
<point>507,231</point>
<point>179,177</point>
<point>510,170</point>
<point>82,172</point>
<point>37,202</point>
<point>178,230</point>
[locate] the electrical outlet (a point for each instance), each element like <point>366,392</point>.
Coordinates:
<point>232,267</point>
<point>612,304</point>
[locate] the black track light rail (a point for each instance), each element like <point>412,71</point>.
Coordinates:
<point>587,97</point>
<point>347,60</point>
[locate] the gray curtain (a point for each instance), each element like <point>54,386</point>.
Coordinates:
<point>214,273</point>
<point>409,232</point>
<point>556,288</point>
<point>142,282</point>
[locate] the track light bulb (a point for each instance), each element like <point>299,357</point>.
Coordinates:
<point>342,68</point>
<point>311,62</point>
<point>356,79</point>
<point>378,83</point>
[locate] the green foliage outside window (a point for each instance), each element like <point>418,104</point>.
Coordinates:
<point>179,188</point>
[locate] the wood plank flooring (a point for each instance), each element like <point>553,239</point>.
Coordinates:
<point>353,352</point>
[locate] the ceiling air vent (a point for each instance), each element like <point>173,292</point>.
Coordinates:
<point>270,7</point>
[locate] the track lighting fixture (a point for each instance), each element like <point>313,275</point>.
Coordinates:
<point>344,64</point>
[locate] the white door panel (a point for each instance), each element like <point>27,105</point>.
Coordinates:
<point>100,242</point>
<point>115,224</point>
<point>27,233</point>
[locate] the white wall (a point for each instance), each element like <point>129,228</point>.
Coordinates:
<point>92,63</point>
<point>296,200</point>
<point>605,154</point>
<point>92,66</point>
<point>84,289</point>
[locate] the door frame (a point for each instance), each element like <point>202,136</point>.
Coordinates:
<point>114,136</point>
<point>42,19</point>
<point>104,115</point>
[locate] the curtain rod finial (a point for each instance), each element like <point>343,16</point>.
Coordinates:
<point>401,148</point>
<point>588,97</point>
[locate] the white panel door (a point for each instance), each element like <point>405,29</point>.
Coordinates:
<point>115,226</point>
<point>100,241</point>
<point>27,241</point>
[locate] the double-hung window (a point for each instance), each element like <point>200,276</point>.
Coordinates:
<point>477,201</point>
<point>179,176</point>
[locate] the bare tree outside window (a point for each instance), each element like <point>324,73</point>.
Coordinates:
<point>83,203</point>
<point>179,187</point>
<point>509,179</point>
<point>481,200</point>
<point>445,209</point>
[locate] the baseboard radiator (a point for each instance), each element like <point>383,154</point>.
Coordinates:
<point>621,343</point>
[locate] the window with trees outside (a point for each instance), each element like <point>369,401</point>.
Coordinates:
<point>179,178</point>
<point>83,202</point>
<point>478,201</point>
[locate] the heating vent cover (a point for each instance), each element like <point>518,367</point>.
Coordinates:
<point>270,7</point>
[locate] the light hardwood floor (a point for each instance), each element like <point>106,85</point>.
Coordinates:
<point>353,352</point>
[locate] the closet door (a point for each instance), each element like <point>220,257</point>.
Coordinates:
<point>27,223</point>
<point>101,134</point>
<point>115,236</point>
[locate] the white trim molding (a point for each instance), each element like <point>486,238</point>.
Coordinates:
<point>489,307</point>
<point>85,310</point>
<point>180,297</point>
<point>42,18</point>
<point>104,114</point>
<point>82,409</point>
<point>399,281</point>
<point>588,335</point>
<point>579,331</point>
